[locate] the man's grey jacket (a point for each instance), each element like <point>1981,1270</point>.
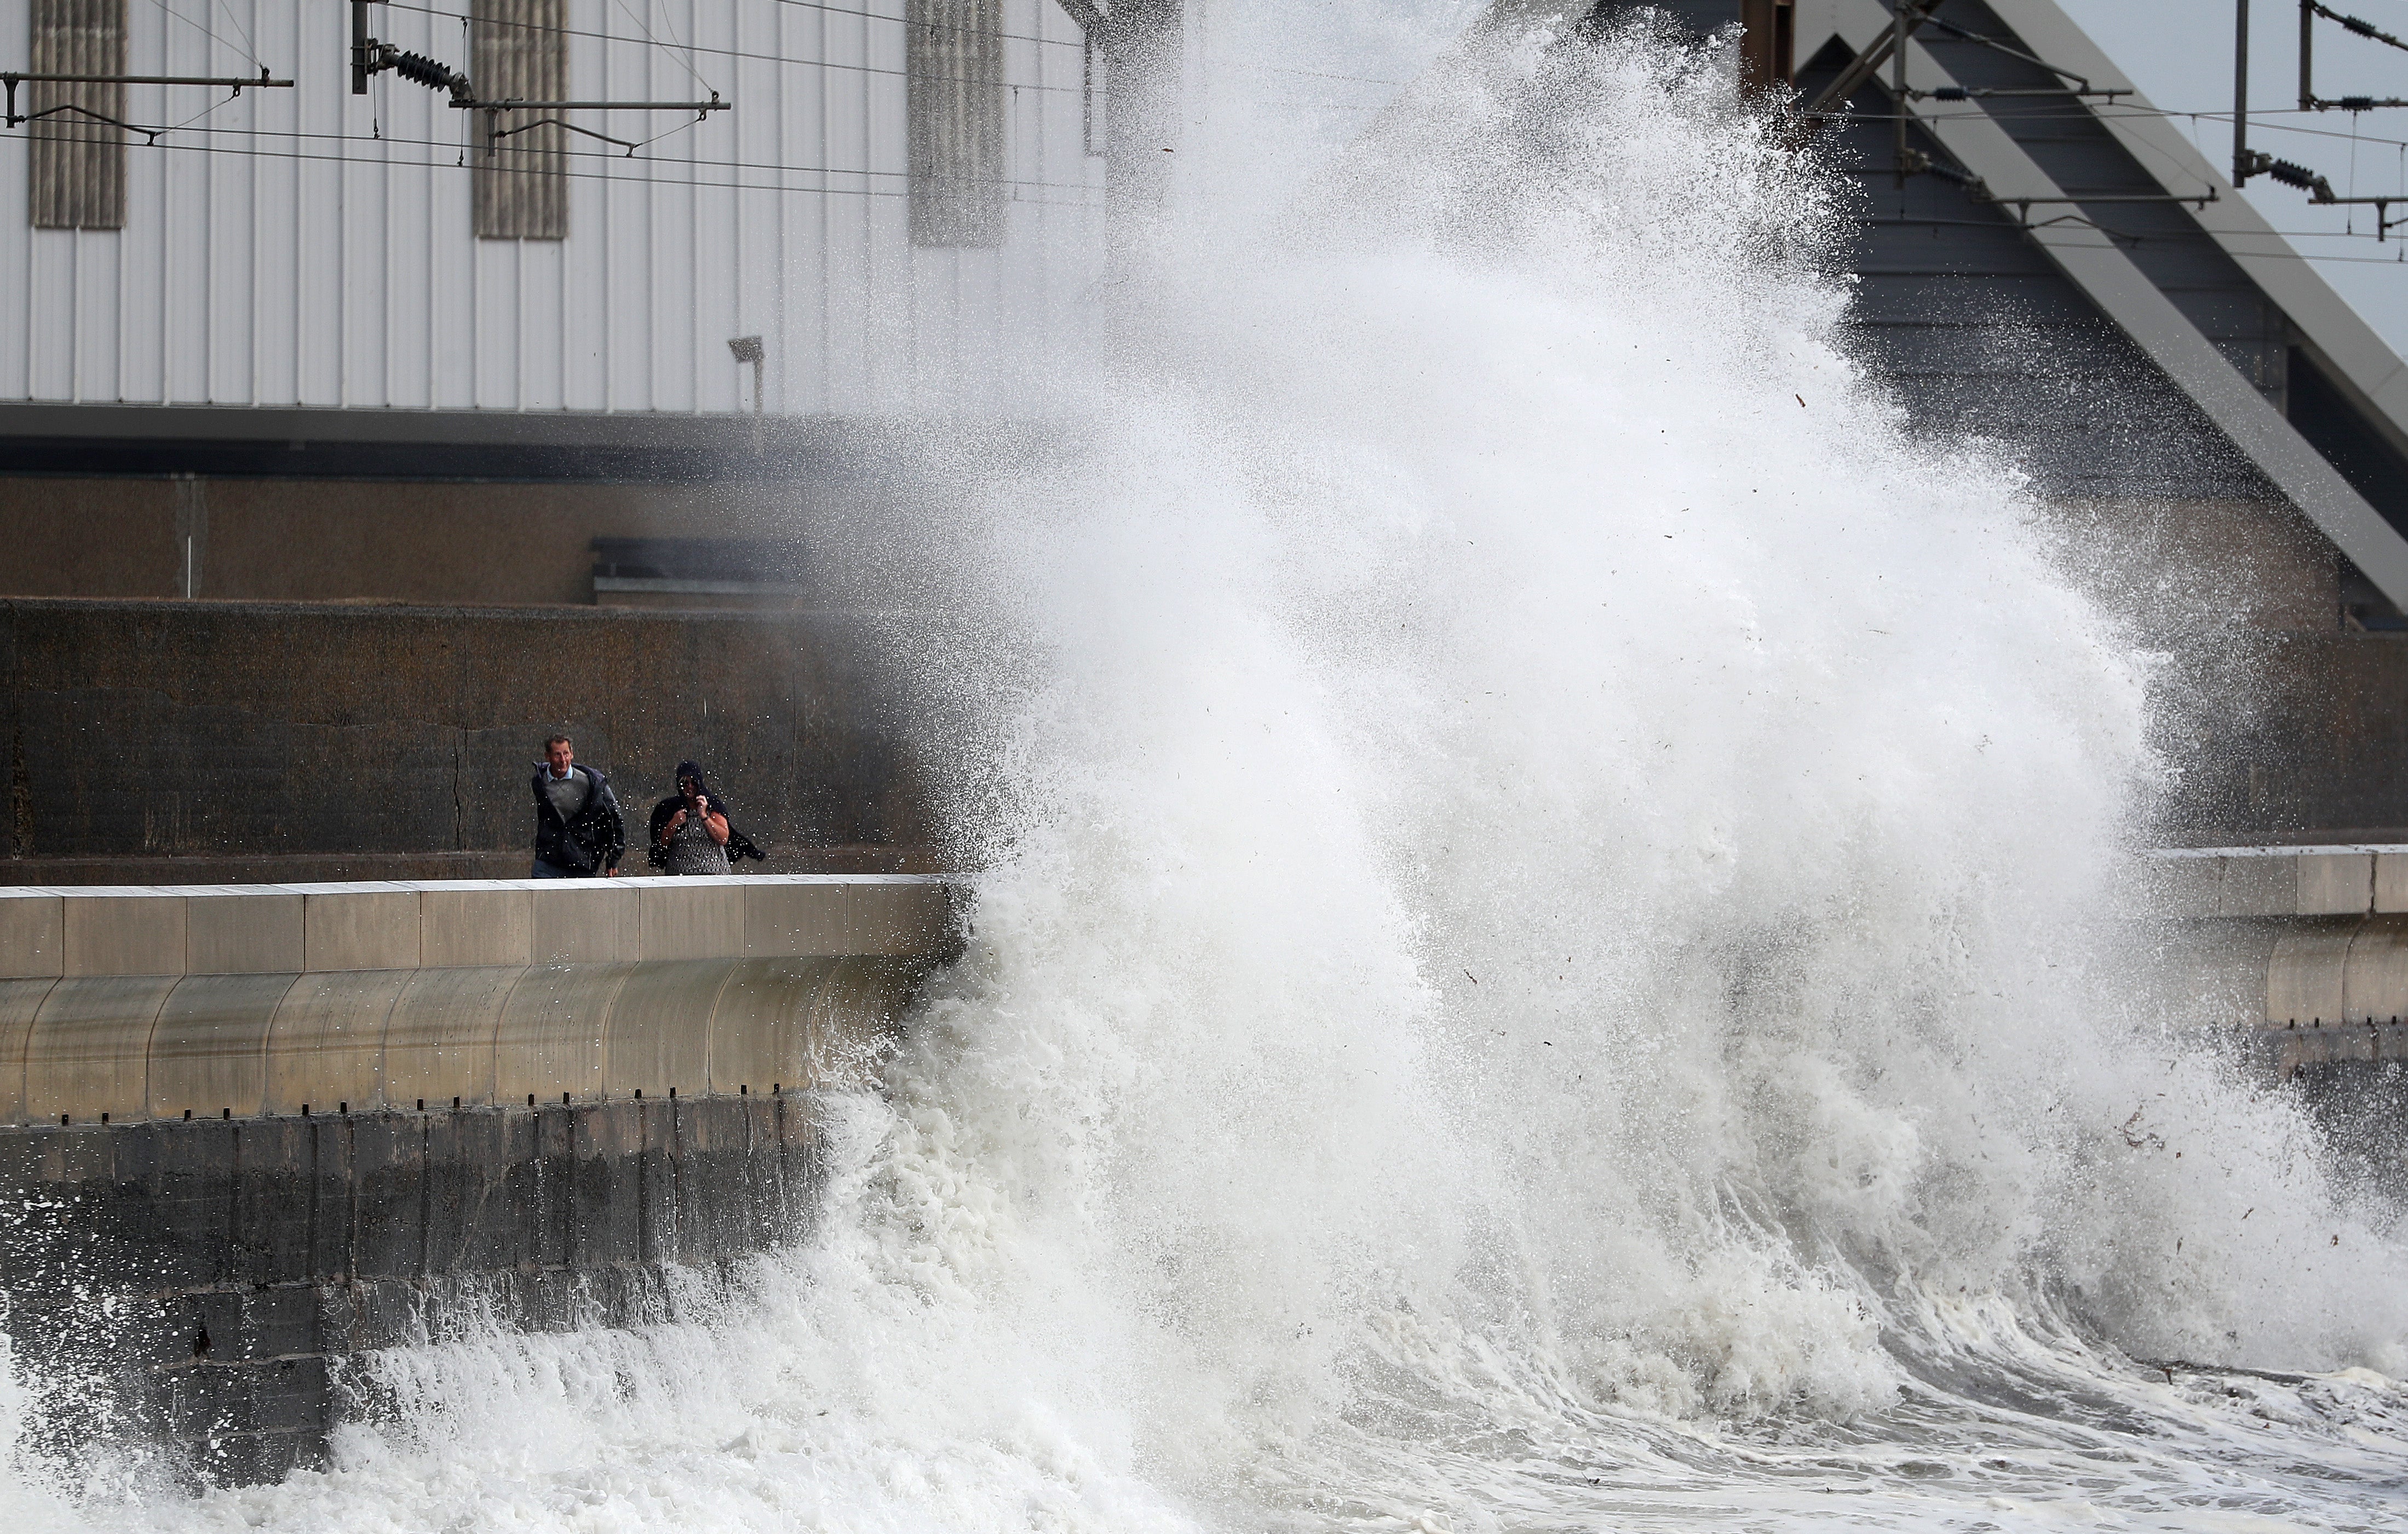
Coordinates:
<point>587,842</point>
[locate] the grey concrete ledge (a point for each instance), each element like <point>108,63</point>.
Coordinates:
<point>2345,879</point>
<point>79,931</point>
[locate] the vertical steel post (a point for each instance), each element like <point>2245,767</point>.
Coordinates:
<point>1898,83</point>
<point>360,48</point>
<point>2307,56</point>
<point>2240,93</point>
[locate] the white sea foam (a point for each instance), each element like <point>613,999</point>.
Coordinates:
<point>1542,956</point>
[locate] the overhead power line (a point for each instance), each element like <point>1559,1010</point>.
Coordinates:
<point>2309,100</point>
<point>371,57</point>
<point>621,178</point>
<point>249,52</point>
<point>690,161</point>
<point>745,56</point>
<point>935,26</point>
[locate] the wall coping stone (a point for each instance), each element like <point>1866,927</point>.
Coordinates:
<point>2255,883</point>
<point>885,915</point>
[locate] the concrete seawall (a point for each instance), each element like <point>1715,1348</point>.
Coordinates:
<point>135,1003</point>
<point>2327,925</point>
<point>248,1134</point>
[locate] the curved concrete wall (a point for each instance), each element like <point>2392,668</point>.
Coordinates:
<point>133,1004</point>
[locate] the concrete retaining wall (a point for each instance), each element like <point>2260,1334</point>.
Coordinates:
<point>221,741</point>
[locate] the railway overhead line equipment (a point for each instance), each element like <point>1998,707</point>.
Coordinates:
<point>371,57</point>
<point>10,80</point>
<point>2247,162</point>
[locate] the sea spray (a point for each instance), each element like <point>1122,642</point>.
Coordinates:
<point>1541,950</point>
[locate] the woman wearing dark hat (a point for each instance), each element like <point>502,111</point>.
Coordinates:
<point>691,833</point>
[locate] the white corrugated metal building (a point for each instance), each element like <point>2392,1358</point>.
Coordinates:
<point>890,196</point>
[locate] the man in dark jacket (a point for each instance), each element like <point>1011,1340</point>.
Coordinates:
<point>577,831</point>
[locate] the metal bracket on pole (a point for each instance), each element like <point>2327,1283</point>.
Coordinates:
<point>363,48</point>
<point>372,57</point>
<point>495,133</point>
<point>2309,100</point>
<point>2321,193</point>
<point>10,80</point>
<point>1911,16</point>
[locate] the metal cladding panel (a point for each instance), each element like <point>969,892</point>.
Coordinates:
<point>311,248</point>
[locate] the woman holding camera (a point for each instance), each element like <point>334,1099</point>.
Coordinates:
<point>690,831</point>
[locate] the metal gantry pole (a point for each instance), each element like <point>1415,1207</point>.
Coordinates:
<point>1899,30</point>
<point>361,64</point>
<point>2241,166</point>
<point>2307,55</point>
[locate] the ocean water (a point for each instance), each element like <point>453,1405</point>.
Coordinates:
<point>1545,951</point>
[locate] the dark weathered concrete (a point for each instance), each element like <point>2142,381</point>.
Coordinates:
<point>189,1291</point>
<point>378,738</point>
<point>270,540</point>
<point>2290,736</point>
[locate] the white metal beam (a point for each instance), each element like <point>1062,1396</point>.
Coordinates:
<point>2127,296</point>
<point>2367,364</point>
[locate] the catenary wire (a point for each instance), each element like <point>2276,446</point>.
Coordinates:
<point>693,162</point>
<point>874,16</point>
<point>802,4</point>
<point>250,54</point>
<point>823,170</point>
<point>686,61</point>
<point>735,52</point>
<point>934,26</point>
<point>234,19</point>
<point>256,153</point>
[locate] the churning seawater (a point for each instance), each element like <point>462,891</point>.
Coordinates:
<point>1542,954</point>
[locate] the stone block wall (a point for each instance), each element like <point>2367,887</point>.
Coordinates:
<point>193,742</point>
